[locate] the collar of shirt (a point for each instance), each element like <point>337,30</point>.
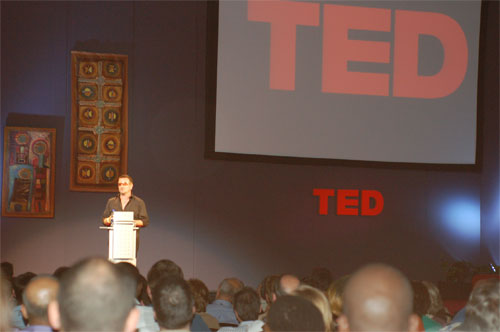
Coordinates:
<point>131,196</point>
<point>223,303</point>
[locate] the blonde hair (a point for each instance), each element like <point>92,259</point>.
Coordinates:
<point>319,300</point>
<point>334,295</point>
<point>436,308</point>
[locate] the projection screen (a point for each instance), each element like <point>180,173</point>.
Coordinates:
<point>391,81</point>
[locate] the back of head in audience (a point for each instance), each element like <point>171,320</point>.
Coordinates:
<point>5,303</point>
<point>144,298</point>
<point>334,294</point>
<point>8,270</point>
<point>227,288</point>
<point>19,283</point>
<point>271,284</point>
<point>482,312</point>
<point>162,269</point>
<point>37,295</point>
<point>319,300</point>
<point>246,304</point>
<point>287,284</point>
<point>60,271</point>
<point>294,313</point>
<point>421,298</point>
<point>94,296</point>
<point>436,310</point>
<point>378,298</point>
<point>173,303</point>
<point>132,272</point>
<point>200,294</point>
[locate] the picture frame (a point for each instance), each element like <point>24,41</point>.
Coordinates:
<point>29,164</point>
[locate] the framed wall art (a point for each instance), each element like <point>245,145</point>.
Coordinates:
<point>28,172</point>
<point>99,120</point>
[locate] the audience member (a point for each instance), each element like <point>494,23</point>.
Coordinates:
<point>246,308</point>
<point>286,285</point>
<point>132,272</point>
<point>37,295</point>
<point>319,300</point>
<point>378,298</point>
<point>271,287</point>
<point>94,296</point>
<point>201,295</point>
<point>173,304</point>
<point>421,305</point>
<point>264,301</point>
<point>8,270</point>
<point>437,311</point>
<point>163,269</point>
<point>19,284</point>
<point>5,303</point>
<point>222,308</point>
<point>294,313</point>
<point>482,312</point>
<point>144,297</point>
<point>60,271</point>
<point>459,317</point>
<point>334,294</point>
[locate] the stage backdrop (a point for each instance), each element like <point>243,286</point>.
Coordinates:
<point>220,218</point>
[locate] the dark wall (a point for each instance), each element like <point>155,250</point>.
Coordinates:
<point>221,218</point>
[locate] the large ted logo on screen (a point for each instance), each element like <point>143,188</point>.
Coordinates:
<point>338,49</point>
<point>350,202</point>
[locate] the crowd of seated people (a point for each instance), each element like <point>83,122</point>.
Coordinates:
<point>97,295</point>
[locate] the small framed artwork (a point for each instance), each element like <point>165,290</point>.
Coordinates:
<point>28,172</point>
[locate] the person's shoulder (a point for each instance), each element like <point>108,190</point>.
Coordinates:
<point>138,198</point>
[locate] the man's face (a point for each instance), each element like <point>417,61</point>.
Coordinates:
<point>124,186</point>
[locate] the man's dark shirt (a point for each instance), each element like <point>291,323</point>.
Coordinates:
<point>135,204</point>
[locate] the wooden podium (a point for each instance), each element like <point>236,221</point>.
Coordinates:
<point>122,241</point>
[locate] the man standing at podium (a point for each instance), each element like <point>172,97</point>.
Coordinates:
<point>125,201</point>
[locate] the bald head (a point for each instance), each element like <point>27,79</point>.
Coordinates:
<point>94,295</point>
<point>37,295</point>
<point>228,287</point>
<point>288,283</point>
<point>378,298</point>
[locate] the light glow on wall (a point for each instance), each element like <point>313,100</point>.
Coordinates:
<point>460,222</point>
<point>462,217</point>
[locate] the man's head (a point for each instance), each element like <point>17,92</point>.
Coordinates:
<point>131,271</point>
<point>378,298</point>
<point>94,296</point>
<point>246,304</point>
<point>162,269</point>
<point>125,184</point>
<point>227,288</point>
<point>294,313</point>
<point>37,295</point>
<point>287,284</point>
<point>482,309</point>
<point>173,303</point>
